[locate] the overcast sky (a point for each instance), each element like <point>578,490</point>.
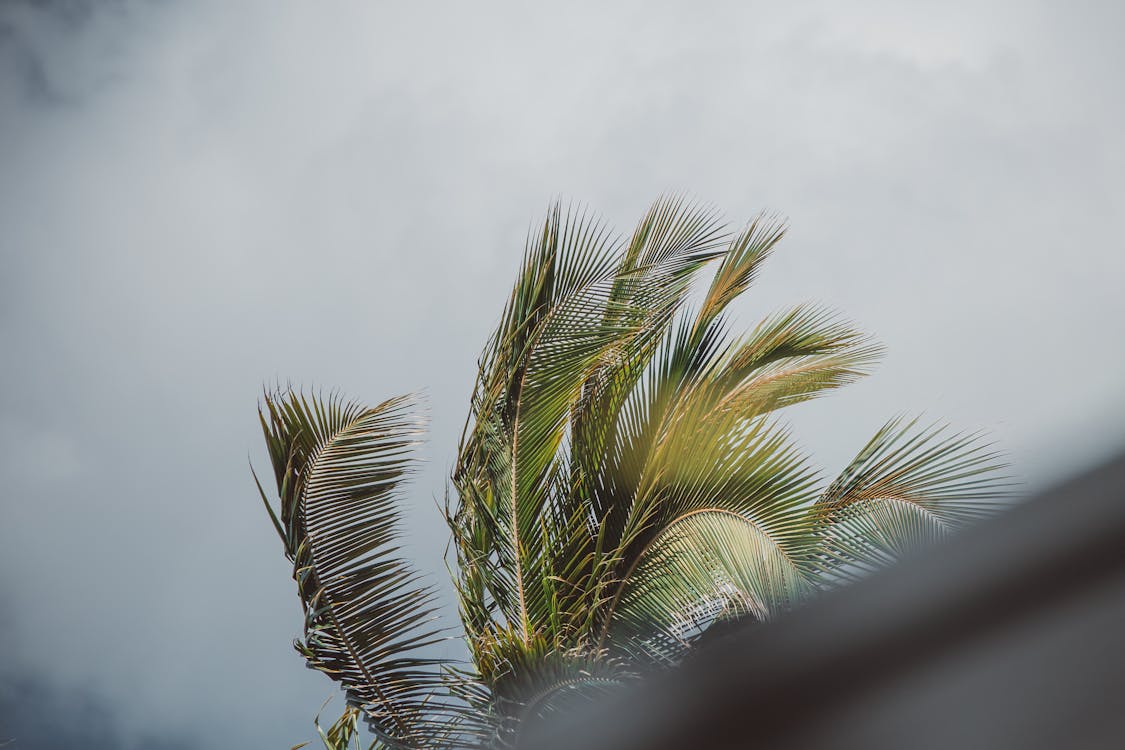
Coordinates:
<point>197,198</point>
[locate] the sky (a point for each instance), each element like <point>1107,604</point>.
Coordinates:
<point>199,198</point>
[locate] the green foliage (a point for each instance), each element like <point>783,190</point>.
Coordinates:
<point>343,734</point>
<point>368,622</point>
<point>623,483</point>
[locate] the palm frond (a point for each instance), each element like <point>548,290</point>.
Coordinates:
<point>706,567</point>
<point>738,269</point>
<point>789,358</point>
<point>579,319</point>
<point>714,478</point>
<point>669,246</point>
<point>701,386</point>
<point>368,620</point>
<point>530,373</point>
<point>907,487</point>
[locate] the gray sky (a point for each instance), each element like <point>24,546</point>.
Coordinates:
<point>196,198</point>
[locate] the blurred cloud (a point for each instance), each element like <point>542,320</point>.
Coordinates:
<point>38,715</point>
<point>197,198</point>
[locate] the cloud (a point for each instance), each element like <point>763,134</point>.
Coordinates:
<point>37,716</point>
<point>199,198</point>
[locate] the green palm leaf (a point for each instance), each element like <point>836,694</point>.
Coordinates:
<point>368,620</point>
<point>715,479</point>
<point>907,487</point>
<point>578,316</point>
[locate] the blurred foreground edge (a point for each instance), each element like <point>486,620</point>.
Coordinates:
<point>1012,635</point>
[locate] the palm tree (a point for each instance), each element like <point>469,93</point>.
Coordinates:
<point>623,485</point>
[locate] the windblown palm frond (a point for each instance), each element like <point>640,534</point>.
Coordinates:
<point>368,620</point>
<point>906,488</point>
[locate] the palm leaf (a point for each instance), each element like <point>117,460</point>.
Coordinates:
<point>713,480</point>
<point>368,620</point>
<point>706,567</point>
<point>907,487</point>
<point>738,269</point>
<point>578,316</point>
<point>789,358</point>
<point>700,387</point>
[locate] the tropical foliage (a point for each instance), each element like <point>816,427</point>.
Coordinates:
<point>623,484</point>
<point>343,734</point>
